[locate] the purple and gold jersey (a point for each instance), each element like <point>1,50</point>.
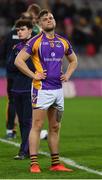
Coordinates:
<point>47,54</point>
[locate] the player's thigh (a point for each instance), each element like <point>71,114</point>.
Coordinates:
<point>38,117</point>
<point>59,103</point>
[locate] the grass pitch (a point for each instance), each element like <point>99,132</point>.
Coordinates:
<point>81,141</point>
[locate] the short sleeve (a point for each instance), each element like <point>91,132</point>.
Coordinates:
<point>69,49</point>
<point>29,46</point>
<point>28,49</point>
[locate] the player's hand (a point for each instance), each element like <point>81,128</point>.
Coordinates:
<point>64,78</point>
<point>40,75</point>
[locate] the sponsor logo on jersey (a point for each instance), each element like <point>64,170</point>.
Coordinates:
<point>52,54</point>
<point>58,44</point>
<point>45,43</point>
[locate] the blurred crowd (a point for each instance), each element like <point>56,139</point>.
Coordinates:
<point>82,25</point>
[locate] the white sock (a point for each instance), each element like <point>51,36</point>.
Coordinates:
<point>9,131</point>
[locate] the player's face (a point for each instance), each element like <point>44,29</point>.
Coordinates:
<point>47,22</point>
<point>23,32</point>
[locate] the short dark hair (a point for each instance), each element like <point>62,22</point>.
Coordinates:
<point>43,12</point>
<point>34,8</point>
<point>24,22</point>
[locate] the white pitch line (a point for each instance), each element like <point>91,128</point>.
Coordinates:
<point>65,160</point>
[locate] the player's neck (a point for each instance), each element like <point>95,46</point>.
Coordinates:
<point>50,35</point>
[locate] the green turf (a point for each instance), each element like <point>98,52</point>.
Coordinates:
<point>81,141</point>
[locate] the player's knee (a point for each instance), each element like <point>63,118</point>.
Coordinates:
<point>37,125</point>
<point>55,128</point>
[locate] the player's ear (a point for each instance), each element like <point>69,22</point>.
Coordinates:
<point>30,31</point>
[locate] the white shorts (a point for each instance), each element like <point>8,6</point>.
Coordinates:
<point>43,99</point>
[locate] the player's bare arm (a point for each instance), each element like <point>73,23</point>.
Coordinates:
<point>21,65</point>
<point>72,59</point>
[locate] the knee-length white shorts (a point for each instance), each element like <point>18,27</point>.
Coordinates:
<point>43,99</point>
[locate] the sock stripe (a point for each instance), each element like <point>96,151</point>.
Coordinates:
<point>34,159</point>
<point>55,159</point>
<point>33,155</point>
<point>54,154</point>
<point>55,163</point>
<point>34,163</point>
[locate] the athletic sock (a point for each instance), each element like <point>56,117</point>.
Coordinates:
<point>9,131</point>
<point>34,159</point>
<point>55,159</point>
